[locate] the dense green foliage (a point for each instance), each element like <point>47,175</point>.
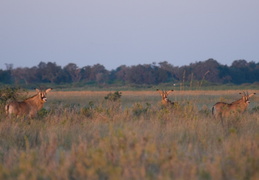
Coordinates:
<point>239,72</point>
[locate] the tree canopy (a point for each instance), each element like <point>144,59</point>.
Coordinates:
<point>239,72</point>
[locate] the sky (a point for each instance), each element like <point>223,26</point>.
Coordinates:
<point>127,32</point>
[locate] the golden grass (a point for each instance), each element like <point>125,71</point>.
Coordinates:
<point>131,139</point>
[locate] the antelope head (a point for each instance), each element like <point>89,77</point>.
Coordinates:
<point>42,94</point>
<point>164,95</point>
<point>245,97</point>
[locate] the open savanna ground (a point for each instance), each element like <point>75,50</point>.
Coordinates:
<point>81,135</point>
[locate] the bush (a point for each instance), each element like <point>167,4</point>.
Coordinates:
<point>88,111</point>
<point>8,94</point>
<point>139,109</point>
<point>113,96</point>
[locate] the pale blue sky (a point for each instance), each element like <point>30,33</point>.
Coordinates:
<point>127,32</point>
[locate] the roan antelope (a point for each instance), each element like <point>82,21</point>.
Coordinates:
<point>165,101</point>
<point>28,107</point>
<point>224,110</point>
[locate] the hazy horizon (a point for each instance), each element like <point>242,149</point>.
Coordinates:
<point>116,32</point>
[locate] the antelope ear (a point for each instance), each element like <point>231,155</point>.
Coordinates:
<point>48,90</point>
<point>251,95</point>
<point>37,90</point>
<point>161,92</point>
<point>169,91</point>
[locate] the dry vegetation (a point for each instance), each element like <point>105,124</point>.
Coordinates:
<point>80,135</point>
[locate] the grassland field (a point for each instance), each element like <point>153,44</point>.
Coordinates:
<point>80,135</point>
<point>207,98</point>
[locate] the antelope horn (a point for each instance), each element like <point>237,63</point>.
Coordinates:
<point>244,93</point>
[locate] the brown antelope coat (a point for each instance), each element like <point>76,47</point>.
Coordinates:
<point>28,107</point>
<point>165,101</point>
<point>223,110</point>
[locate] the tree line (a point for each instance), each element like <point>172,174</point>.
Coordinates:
<point>239,72</point>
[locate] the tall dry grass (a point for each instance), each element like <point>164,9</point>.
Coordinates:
<point>79,135</point>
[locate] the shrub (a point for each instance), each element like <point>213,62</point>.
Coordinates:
<point>139,109</point>
<point>42,113</point>
<point>88,110</point>
<point>113,96</point>
<point>10,94</point>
